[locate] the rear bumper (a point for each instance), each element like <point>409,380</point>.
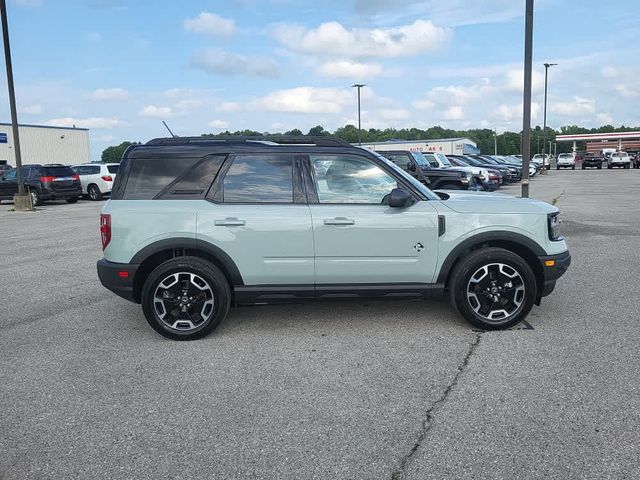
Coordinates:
<point>553,271</point>
<point>118,277</point>
<point>47,194</point>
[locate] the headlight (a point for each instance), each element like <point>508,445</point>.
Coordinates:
<point>553,221</point>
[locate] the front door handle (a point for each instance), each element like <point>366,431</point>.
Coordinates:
<point>339,221</point>
<point>229,222</point>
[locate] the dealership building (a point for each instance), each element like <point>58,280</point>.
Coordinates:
<point>45,144</point>
<point>447,146</point>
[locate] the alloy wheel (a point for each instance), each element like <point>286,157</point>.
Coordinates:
<point>183,301</point>
<point>496,292</point>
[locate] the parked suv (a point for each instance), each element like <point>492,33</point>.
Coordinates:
<point>590,159</point>
<point>43,182</point>
<point>435,178</point>
<point>197,225</point>
<point>96,178</point>
<point>566,160</point>
<point>619,159</point>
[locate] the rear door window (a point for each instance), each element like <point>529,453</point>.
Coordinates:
<point>113,168</point>
<point>259,179</point>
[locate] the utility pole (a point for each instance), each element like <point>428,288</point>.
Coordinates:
<point>21,200</point>
<point>526,101</point>
<point>544,123</point>
<point>359,86</point>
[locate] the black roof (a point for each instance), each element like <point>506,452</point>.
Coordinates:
<point>324,141</point>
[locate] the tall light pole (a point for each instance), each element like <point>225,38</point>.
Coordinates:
<point>544,123</point>
<point>359,86</point>
<point>526,100</point>
<point>20,201</point>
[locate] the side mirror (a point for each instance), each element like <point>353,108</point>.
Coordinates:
<point>411,166</point>
<point>400,198</point>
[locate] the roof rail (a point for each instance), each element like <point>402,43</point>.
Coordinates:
<point>322,141</point>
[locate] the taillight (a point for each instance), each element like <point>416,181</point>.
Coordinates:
<point>107,178</point>
<point>47,179</point>
<point>75,177</point>
<point>105,229</point>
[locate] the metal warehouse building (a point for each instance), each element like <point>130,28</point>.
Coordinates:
<point>45,144</point>
<point>447,146</point>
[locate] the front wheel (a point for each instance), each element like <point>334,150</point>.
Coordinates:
<point>493,288</point>
<point>185,298</point>
<point>72,200</point>
<point>573,167</point>
<point>35,198</point>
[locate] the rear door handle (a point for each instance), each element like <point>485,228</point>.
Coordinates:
<point>339,221</point>
<point>229,222</point>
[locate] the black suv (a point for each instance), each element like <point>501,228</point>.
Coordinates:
<point>590,159</point>
<point>43,182</point>
<point>435,178</point>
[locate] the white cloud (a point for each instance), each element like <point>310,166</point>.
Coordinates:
<point>513,113</point>
<point>109,94</point>
<point>454,95</point>
<point>210,24</point>
<point>578,107</point>
<point>105,138</point>
<point>605,118</point>
<point>628,91</point>
<point>609,71</point>
<point>219,62</point>
<point>179,92</point>
<point>221,124</point>
<point>188,105</point>
<point>33,109</point>
<point>304,100</point>
<point>454,112</point>
<point>153,111</point>
<point>349,69</point>
<point>422,36</point>
<point>92,122</point>
<point>514,81</point>
<point>227,107</point>
<point>393,114</point>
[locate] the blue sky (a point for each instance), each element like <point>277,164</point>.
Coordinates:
<point>120,67</point>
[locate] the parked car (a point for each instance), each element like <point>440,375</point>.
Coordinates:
<point>417,165</point>
<point>619,159</point>
<point>492,168</point>
<point>591,160</point>
<point>258,222</point>
<point>636,160</point>
<point>490,179</point>
<point>540,160</point>
<point>566,160</point>
<point>43,182</point>
<point>5,167</point>
<point>96,178</point>
<point>509,173</point>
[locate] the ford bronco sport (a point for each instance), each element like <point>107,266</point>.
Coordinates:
<point>197,225</point>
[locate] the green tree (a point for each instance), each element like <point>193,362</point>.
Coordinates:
<point>113,154</point>
<point>317,131</point>
<point>296,132</point>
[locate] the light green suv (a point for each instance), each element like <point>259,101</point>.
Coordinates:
<point>197,225</point>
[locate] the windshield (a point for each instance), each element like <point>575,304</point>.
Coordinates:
<point>443,159</point>
<point>565,155</point>
<point>420,159</point>
<point>415,183</point>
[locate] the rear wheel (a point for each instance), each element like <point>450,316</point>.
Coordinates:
<point>493,288</point>
<point>599,167</point>
<point>185,298</point>
<point>72,200</point>
<point>35,198</point>
<point>94,193</point>
<point>573,167</point>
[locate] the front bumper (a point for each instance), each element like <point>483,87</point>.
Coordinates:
<point>553,267</point>
<point>118,277</point>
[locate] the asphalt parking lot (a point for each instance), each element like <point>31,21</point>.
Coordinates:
<point>369,390</point>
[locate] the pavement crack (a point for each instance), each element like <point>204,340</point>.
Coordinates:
<point>427,422</point>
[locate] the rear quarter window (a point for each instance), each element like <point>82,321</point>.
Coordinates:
<point>113,168</point>
<point>149,176</point>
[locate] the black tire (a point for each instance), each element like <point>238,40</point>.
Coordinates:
<point>72,199</point>
<point>599,167</point>
<point>94,192</point>
<point>35,197</point>
<point>206,274</point>
<point>583,167</point>
<point>609,167</point>
<point>524,290</point>
<point>557,168</point>
<point>573,167</point>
